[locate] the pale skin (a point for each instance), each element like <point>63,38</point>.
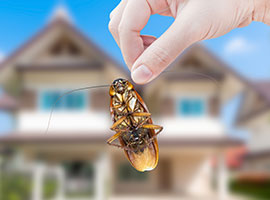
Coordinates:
<point>195,20</point>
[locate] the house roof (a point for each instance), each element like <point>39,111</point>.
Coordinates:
<point>213,68</point>
<point>7,102</point>
<point>61,12</point>
<point>262,90</point>
<point>198,47</point>
<point>194,76</point>
<point>56,22</point>
<point>66,66</point>
<point>100,138</point>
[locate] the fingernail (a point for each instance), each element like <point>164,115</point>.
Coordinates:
<point>141,74</point>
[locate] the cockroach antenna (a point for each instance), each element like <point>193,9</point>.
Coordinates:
<point>197,74</point>
<point>67,93</point>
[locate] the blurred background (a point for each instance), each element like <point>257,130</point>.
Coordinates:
<point>214,106</point>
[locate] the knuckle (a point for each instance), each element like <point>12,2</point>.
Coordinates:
<point>112,27</point>
<point>112,14</point>
<point>160,56</point>
<point>122,28</point>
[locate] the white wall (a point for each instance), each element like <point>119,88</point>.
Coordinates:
<point>63,121</point>
<point>191,127</point>
<point>260,138</point>
<point>259,133</point>
<point>85,121</point>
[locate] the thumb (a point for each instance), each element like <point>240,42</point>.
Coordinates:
<point>163,51</point>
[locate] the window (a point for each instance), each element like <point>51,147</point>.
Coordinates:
<point>74,101</point>
<point>79,179</point>
<point>79,169</point>
<point>191,106</point>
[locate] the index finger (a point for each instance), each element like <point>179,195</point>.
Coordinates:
<point>134,19</point>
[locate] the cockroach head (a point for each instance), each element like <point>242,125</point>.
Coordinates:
<point>119,86</point>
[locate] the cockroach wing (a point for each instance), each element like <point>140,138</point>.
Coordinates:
<point>146,160</point>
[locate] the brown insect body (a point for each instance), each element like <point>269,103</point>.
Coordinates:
<point>133,124</point>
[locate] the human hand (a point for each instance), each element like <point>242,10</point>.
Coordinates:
<point>195,20</point>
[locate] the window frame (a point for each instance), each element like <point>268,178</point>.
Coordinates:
<point>204,98</point>
<point>42,91</point>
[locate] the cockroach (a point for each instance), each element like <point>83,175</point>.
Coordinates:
<point>133,125</point>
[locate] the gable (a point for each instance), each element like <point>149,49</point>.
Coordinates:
<point>254,103</point>
<point>198,62</point>
<point>58,45</point>
<point>196,59</point>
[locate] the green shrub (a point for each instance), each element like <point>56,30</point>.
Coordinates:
<point>49,188</point>
<point>256,190</point>
<point>16,186</point>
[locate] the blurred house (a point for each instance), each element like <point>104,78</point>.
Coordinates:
<point>74,152</point>
<point>254,115</point>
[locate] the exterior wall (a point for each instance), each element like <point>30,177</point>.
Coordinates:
<point>259,133</point>
<point>64,79</point>
<point>261,165</point>
<point>259,129</point>
<point>31,118</point>
<point>260,139</point>
<point>179,173</point>
<point>251,103</point>
<point>163,92</point>
<point>184,172</point>
<point>162,98</point>
<point>191,175</point>
<point>63,122</point>
<point>206,127</point>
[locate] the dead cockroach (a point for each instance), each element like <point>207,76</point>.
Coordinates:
<point>133,124</point>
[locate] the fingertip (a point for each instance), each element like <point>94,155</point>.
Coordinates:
<point>141,74</point>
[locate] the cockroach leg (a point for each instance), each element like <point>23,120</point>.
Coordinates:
<point>119,146</point>
<point>118,122</point>
<point>154,127</point>
<point>114,137</point>
<point>146,115</point>
<point>141,114</point>
<point>122,130</point>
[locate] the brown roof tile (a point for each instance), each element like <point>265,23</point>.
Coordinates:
<point>264,88</point>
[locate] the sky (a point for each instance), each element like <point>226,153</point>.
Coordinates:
<point>245,49</point>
